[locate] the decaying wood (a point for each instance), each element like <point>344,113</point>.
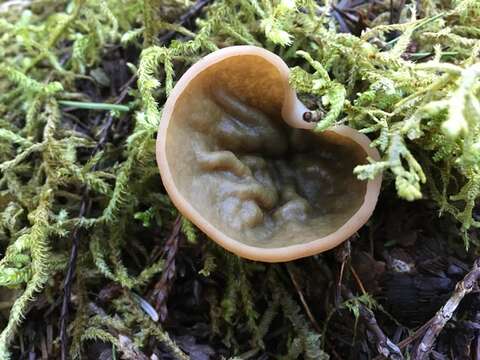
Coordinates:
<point>464,287</point>
<point>384,345</point>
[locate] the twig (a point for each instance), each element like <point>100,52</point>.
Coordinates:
<point>302,300</point>
<point>342,255</point>
<point>420,331</point>
<point>84,205</point>
<point>437,323</point>
<point>67,286</point>
<point>385,346</point>
<point>191,12</point>
<point>72,262</point>
<point>162,287</point>
<point>310,316</point>
<point>404,343</point>
<point>357,279</point>
<point>125,89</point>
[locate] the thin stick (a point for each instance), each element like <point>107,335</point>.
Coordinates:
<point>404,343</point>
<point>84,205</point>
<point>469,280</point>
<point>191,12</point>
<point>303,301</point>
<point>162,288</point>
<point>437,323</point>
<point>357,279</point>
<point>342,255</point>
<point>67,285</point>
<point>385,346</point>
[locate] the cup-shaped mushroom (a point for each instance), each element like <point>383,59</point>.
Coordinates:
<point>239,161</point>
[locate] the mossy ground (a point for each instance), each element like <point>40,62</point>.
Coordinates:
<point>83,211</point>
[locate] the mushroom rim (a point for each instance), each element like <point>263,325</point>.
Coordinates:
<point>291,113</point>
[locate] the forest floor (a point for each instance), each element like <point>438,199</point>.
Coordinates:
<point>98,264</point>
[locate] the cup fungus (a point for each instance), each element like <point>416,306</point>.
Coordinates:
<point>239,161</point>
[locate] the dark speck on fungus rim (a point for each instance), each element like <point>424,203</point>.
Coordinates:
<point>239,160</point>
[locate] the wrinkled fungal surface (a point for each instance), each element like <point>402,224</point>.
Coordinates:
<point>248,173</point>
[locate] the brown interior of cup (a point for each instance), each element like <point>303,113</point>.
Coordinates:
<point>249,174</point>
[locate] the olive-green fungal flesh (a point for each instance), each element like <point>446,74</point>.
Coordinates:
<point>254,183</point>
